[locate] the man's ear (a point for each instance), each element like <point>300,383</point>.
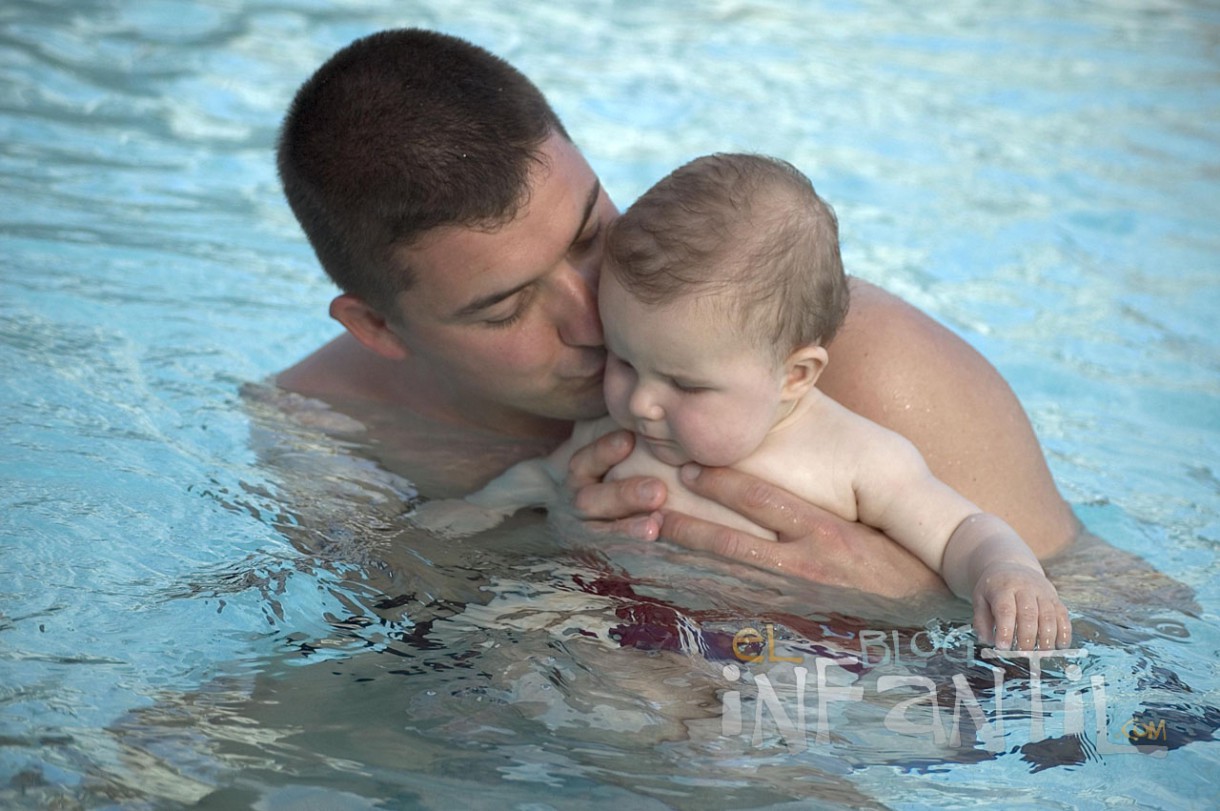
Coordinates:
<point>802,369</point>
<point>368,326</point>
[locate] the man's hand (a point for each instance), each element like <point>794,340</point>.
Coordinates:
<point>627,506</point>
<point>813,544</point>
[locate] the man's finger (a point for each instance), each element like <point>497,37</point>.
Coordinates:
<point>704,536</point>
<point>613,500</point>
<point>590,464</point>
<point>763,503</point>
<point>640,527</point>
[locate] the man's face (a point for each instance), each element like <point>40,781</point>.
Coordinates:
<point>690,387</point>
<point>505,322</point>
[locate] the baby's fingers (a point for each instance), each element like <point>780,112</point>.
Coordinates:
<point>1048,623</point>
<point>1063,638</point>
<point>1029,620</point>
<point>1004,610</point>
<point>984,622</point>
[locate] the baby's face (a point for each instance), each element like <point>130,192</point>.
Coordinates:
<point>685,382</point>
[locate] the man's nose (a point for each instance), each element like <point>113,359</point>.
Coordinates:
<point>576,315</point>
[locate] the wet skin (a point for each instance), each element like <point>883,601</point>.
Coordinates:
<point>499,336</point>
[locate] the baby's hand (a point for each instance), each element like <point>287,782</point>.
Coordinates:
<point>454,517</point>
<point>1018,601</point>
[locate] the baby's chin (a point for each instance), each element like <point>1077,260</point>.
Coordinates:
<point>675,455</point>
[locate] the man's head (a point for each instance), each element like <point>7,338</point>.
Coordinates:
<point>399,133</point>
<point>442,194</point>
<point>749,233</point>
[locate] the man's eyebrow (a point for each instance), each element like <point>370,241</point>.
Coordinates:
<point>590,204</point>
<point>491,299</point>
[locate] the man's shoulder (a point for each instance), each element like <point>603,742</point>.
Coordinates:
<point>877,316</point>
<point>340,370</point>
<point>356,395</point>
<point>271,405</point>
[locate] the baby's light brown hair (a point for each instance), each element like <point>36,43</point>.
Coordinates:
<point>747,231</point>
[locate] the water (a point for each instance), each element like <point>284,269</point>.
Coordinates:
<point>202,603</point>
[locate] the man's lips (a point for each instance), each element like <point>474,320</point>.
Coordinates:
<point>594,368</point>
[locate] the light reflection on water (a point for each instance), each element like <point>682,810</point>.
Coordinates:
<point>185,599</point>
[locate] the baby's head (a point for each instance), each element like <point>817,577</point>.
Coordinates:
<point>725,280</point>
<point>746,230</point>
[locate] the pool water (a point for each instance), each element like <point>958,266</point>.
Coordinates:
<point>204,603</point>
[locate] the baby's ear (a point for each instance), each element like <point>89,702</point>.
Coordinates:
<point>802,369</point>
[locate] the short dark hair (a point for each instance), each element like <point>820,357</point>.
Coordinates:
<point>401,132</point>
<point>746,225</point>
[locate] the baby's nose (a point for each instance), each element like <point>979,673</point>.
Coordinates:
<point>644,405</point>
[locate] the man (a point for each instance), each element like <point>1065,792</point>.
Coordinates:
<point>445,198</point>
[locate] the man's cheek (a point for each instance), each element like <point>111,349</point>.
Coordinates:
<point>517,358</point>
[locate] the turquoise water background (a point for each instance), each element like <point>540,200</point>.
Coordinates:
<point>1044,178</point>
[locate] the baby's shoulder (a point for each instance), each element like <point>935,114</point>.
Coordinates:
<point>824,451</point>
<point>828,423</point>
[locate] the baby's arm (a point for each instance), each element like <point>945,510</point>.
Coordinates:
<point>978,554</point>
<point>986,559</point>
<point>534,482</point>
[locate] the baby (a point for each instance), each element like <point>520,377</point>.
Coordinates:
<point>721,287</point>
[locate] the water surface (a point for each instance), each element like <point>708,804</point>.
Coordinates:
<point>202,603</point>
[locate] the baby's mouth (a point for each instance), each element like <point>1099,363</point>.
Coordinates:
<point>657,442</point>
